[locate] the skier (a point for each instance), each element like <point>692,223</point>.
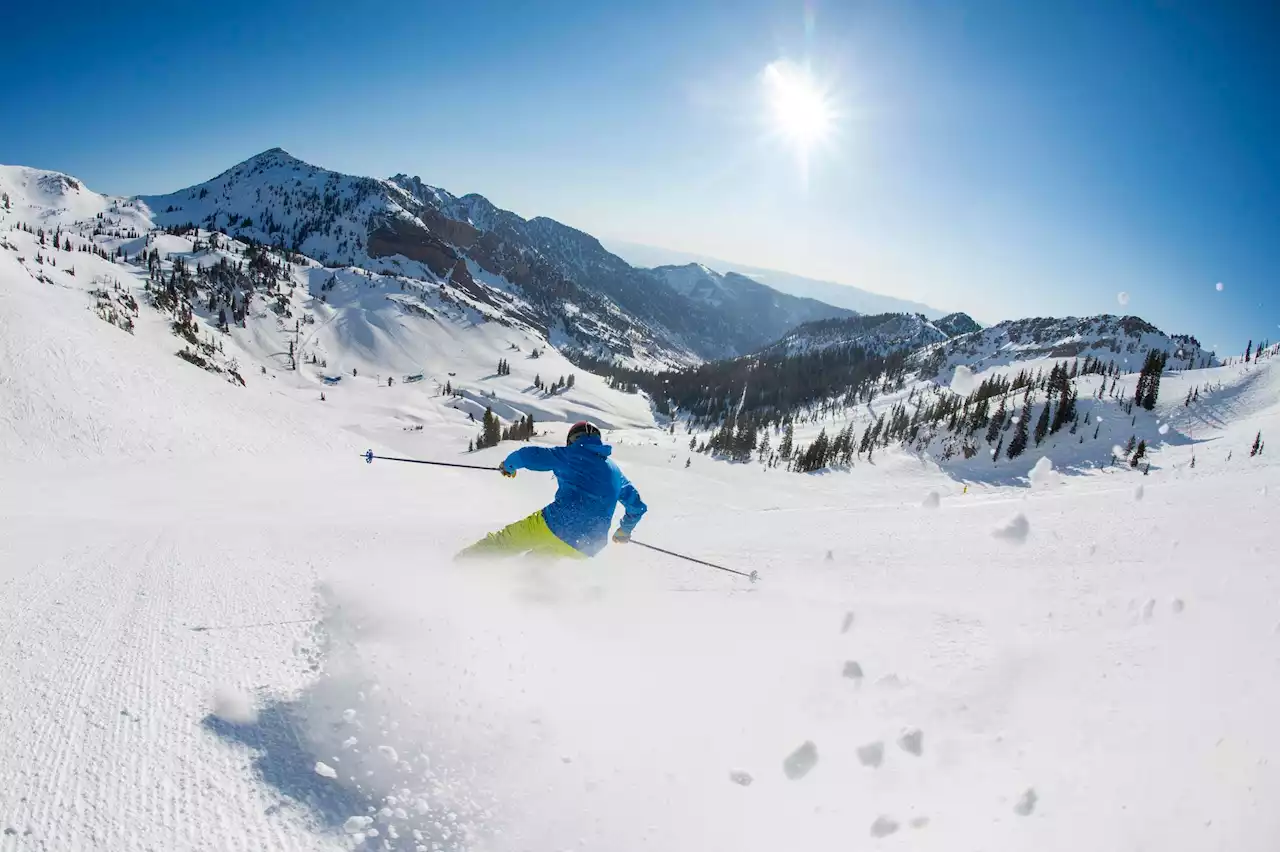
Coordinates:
<point>576,523</point>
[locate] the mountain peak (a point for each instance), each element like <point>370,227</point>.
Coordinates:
<point>269,158</point>
<point>273,153</point>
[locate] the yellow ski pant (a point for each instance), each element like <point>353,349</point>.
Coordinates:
<point>529,535</point>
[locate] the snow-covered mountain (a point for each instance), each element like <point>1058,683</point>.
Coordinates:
<point>580,293</point>
<point>1124,340</point>
<point>875,333</point>
<point>956,324</point>
<point>745,303</point>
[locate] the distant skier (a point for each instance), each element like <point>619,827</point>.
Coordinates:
<point>576,524</point>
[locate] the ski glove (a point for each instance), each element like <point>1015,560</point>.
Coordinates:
<point>621,536</point>
<point>509,474</point>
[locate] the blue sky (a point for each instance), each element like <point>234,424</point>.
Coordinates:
<point>1003,158</point>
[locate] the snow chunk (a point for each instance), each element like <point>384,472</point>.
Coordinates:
<point>1139,492</point>
<point>324,770</point>
<point>1164,429</point>
<point>932,500</point>
<point>848,622</point>
<point>963,381</point>
<point>1219,286</point>
<point>741,777</point>
<point>1042,474</point>
<point>800,761</point>
<point>348,716</point>
<point>232,705</point>
<point>911,740</point>
<point>1026,802</point>
<point>1013,530</point>
<point>1149,609</point>
<point>1177,605</point>
<point>852,670</point>
<point>1122,297</point>
<point>871,754</point>
<point>357,824</point>
<point>919,822</point>
<point>350,742</point>
<point>883,826</point>
<point>389,753</point>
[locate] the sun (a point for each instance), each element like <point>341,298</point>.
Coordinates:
<point>800,109</point>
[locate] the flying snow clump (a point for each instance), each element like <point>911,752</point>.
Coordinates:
<point>963,381</point>
<point>932,500</point>
<point>1042,475</point>
<point>1014,530</point>
<point>232,705</point>
<point>1122,297</point>
<point>800,761</point>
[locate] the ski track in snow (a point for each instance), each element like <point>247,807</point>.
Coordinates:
<point>94,756</point>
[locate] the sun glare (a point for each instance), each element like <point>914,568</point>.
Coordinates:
<point>801,110</point>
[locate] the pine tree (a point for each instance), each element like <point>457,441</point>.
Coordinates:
<point>491,430</point>
<point>788,442</point>
<point>993,429</point>
<point>1148,390</point>
<point>1257,444</point>
<point>1128,447</point>
<point>1018,444</point>
<point>1248,352</point>
<point>1042,425</point>
<point>570,383</point>
<point>995,457</point>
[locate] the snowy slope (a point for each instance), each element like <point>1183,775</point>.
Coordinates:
<point>168,691</point>
<point>64,360</point>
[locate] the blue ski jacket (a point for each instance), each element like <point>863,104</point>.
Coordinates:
<point>590,487</point>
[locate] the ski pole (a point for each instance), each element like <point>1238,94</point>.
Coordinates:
<point>369,457</point>
<point>753,576</point>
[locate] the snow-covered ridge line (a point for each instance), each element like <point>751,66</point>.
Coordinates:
<point>402,225</point>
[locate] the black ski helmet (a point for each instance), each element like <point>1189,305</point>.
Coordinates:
<point>579,429</point>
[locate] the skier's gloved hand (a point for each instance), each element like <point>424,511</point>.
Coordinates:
<point>509,474</point>
<point>621,536</point>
